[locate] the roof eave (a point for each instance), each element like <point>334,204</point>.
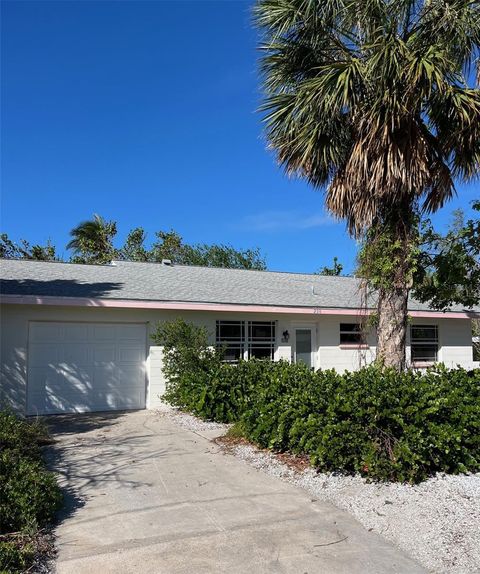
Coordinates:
<point>217,307</point>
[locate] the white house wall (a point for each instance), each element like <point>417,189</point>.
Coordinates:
<point>454,334</point>
<point>454,338</point>
<point>342,358</point>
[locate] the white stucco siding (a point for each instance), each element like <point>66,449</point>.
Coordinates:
<point>16,320</point>
<point>13,358</point>
<point>454,341</point>
<point>342,358</point>
<point>455,345</point>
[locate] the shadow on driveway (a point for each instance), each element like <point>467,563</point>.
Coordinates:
<point>144,495</point>
<point>86,457</point>
<point>82,423</point>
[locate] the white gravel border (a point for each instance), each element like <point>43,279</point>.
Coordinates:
<point>437,522</point>
<point>189,422</point>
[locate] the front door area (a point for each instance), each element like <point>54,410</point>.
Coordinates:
<point>303,349</point>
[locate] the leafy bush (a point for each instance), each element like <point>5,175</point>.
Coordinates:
<point>15,556</point>
<point>376,422</point>
<point>29,494</point>
<point>186,352</point>
<point>20,436</point>
<point>382,424</point>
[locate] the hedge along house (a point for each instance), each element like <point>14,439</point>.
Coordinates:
<point>76,338</point>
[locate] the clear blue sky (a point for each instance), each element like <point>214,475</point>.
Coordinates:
<point>144,112</point>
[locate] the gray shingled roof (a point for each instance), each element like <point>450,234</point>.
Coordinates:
<point>157,282</point>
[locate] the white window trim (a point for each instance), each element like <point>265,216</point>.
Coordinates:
<point>245,344</point>
<point>428,342</point>
<point>362,344</point>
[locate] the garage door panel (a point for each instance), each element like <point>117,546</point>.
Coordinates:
<point>45,332</point>
<point>44,354</point>
<point>127,402</point>
<point>130,376</point>
<point>105,376</point>
<point>130,355</point>
<point>104,333</point>
<point>85,367</point>
<point>76,354</point>
<point>61,380</point>
<point>58,390</point>
<point>78,332</point>
<point>132,333</point>
<point>104,354</point>
<point>41,378</point>
<point>77,378</point>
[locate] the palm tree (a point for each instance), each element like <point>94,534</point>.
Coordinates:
<point>374,102</point>
<point>92,241</point>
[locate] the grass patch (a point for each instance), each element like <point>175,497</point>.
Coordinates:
<point>236,431</point>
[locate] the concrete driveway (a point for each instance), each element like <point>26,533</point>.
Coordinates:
<point>144,495</point>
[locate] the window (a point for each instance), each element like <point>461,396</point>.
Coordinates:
<point>424,343</point>
<point>261,339</point>
<point>351,334</point>
<point>231,336</point>
<point>246,339</point>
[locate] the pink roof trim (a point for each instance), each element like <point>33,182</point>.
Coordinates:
<point>185,306</point>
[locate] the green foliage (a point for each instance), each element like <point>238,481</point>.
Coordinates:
<point>22,437</point>
<point>335,270</point>
<point>170,246</point>
<point>372,101</point>
<point>187,356</point>
<point>92,241</point>
<point>236,431</point>
<point>448,270</point>
<point>386,258</point>
<point>24,250</point>
<point>380,423</point>
<point>134,248</point>
<point>225,256</point>
<point>29,494</point>
<point>15,556</point>
<point>476,341</point>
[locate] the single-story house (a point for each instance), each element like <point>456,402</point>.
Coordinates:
<point>76,338</point>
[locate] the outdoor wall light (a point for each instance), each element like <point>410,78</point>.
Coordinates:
<point>285,337</point>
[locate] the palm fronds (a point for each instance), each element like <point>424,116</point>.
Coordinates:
<point>372,100</point>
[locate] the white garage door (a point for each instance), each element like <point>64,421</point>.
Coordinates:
<point>81,367</point>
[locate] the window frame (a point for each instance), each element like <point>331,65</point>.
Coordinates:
<point>424,342</point>
<point>357,330</point>
<point>248,342</point>
<point>237,343</point>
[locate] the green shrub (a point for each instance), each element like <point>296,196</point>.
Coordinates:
<point>376,422</point>
<point>23,437</point>
<point>382,424</point>
<point>187,358</point>
<point>15,556</point>
<point>29,494</point>
<point>236,431</point>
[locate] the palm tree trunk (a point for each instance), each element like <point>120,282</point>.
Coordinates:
<point>392,327</point>
<point>392,306</point>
